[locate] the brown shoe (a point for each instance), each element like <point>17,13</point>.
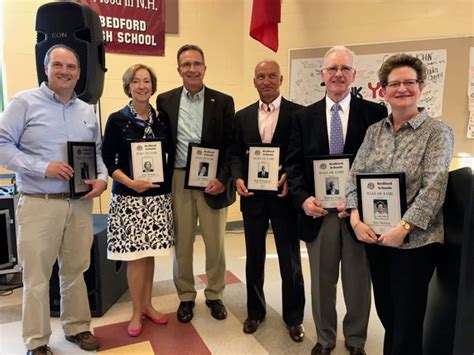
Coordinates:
<point>296,332</point>
<point>40,350</point>
<point>319,349</point>
<point>355,351</point>
<point>251,325</point>
<point>218,310</point>
<point>85,340</point>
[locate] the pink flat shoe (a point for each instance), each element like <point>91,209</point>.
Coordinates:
<point>161,321</point>
<point>134,332</point>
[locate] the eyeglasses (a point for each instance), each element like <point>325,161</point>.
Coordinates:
<point>343,68</point>
<point>188,65</point>
<point>409,84</point>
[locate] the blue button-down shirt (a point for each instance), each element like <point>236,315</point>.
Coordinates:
<point>190,118</point>
<point>34,131</point>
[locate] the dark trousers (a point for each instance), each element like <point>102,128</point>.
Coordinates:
<point>400,279</point>
<point>284,225</point>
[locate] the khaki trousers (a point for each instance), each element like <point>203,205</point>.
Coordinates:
<point>333,248</point>
<point>188,206</point>
<point>49,229</point>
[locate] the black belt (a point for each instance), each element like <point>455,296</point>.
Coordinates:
<point>179,168</point>
<point>58,196</point>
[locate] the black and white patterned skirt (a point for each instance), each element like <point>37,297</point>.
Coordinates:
<point>139,227</point>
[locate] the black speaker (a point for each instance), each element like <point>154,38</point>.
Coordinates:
<point>76,26</point>
<point>8,251</point>
<point>106,280</point>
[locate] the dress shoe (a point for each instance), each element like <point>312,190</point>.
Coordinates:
<point>296,332</point>
<point>185,311</point>
<point>85,340</point>
<point>162,320</point>
<point>319,349</point>
<point>134,332</point>
<point>355,351</point>
<point>40,350</point>
<point>251,325</point>
<point>218,310</point>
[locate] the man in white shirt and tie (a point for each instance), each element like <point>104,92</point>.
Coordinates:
<point>334,125</point>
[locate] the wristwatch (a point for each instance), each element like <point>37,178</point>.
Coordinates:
<point>407,226</point>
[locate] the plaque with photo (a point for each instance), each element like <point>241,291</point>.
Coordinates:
<point>82,158</point>
<point>263,167</point>
<point>381,200</point>
<point>146,160</point>
<point>330,176</point>
<point>201,166</point>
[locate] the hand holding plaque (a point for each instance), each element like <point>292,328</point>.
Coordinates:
<point>381,200</point>
<point>146,160</point>
<point>82,158</point>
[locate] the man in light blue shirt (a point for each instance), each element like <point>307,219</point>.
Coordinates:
<point>199,114</point>
<point>34,131</point>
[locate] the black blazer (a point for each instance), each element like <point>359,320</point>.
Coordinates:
<point>246,132</point>
<point>115,148</point>
<point>217,130</point>
<point>309,138</point>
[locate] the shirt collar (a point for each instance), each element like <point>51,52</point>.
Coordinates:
<point>344,103</point>
<point>196,97</point>
<point>275,103</point>
<point>414,122</point>
<point>52,95</point>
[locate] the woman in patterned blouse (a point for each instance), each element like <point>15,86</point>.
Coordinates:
<point>412,142</point>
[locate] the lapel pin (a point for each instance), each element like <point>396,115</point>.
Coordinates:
<point>212,100</point>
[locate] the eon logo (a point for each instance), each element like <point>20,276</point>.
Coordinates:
<point>59,35</point>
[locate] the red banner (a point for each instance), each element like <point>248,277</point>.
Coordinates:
<point>264,23</point>
<point>131,26</point>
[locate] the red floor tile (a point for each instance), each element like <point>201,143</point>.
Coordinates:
<point>172,338</point>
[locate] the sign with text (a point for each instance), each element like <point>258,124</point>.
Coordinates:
<point>146,160</point>
<point>330,175</point>
<point>83,160</point>
<point>201,166</point>
<point>131,26</point>
<point>306,85</point>
<point>381,200</point>
<point>263,167</point>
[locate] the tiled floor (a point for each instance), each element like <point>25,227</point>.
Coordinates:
<point>204,335</point>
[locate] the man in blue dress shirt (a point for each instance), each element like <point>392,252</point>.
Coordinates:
<point>34,131</point>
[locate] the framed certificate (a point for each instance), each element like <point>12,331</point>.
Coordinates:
<point>381,200</point>
<point>263,167</point>
<point>82,158</point>
<point>146,160</point>
<point>201,166</point>
<point>330,176</point>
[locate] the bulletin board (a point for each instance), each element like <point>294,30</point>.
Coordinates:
<point>454,99</point>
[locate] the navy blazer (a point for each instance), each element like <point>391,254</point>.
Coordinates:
<point>309,138</point>
<point>217,130</point>
<point>247,132</point>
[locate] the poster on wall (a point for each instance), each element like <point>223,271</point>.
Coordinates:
<point>131,26</point>
<point>306,86</point>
